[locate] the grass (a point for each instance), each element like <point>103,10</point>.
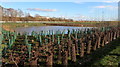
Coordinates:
<point>112,59</point>
<point>83,22</point>
<point>107,56</point>
<point>14,25</point>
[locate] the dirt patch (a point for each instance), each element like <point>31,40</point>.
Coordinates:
<point>7,28</point>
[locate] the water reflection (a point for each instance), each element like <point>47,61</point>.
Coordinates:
<point>56,29</point>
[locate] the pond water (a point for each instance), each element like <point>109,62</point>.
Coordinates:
<point>47,28</point>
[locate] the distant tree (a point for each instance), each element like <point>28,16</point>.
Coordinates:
<point>20,14</point>
<point>28,17</point>
<point>15,13</point>
<point>37,17</point>
<point>11,13</point>
<point>4,14</point>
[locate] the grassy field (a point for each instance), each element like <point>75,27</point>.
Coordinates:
<point>42,24</point>
<point>111,59</point>
<point>11,26</point>
<point>14,25</point>
<point>108,56</point>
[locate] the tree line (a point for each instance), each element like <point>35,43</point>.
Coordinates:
<point>10,14</point>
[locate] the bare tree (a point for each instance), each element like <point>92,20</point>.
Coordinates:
<point>5,14</point>
<point>15,13</point>
<point>10,12</point>
<point>37,17</point>
<point>20,14</point>
<point>27,15</point>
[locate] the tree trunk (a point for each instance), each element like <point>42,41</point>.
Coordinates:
<point>73,53</point>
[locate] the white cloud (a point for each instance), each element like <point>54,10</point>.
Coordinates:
<point>108,1</point>
<point>43,10</point>
<point>78,2</point>
<point>100,6</point>
<point>107,6</point>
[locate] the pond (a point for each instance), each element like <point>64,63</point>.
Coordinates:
<point>48,28</point>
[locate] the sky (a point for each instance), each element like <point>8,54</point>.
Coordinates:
<point>106,10</point>
<point>59,0</point>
